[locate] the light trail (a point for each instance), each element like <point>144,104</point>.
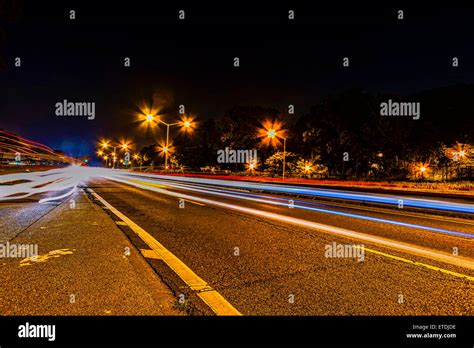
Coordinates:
<point>55,180</point>
<point>392,244</point>
<point>327,193</point>
<point>272,201</point>
<point>31,149</point>
<point>67,179</point>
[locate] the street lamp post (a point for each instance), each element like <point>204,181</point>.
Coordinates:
<point>272,133</point>
<point>114,158</point>
<point>105,144</point>
<point>186,123</point>
<point>167,146</point>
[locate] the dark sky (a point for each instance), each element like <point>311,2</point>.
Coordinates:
<point>282,62</point>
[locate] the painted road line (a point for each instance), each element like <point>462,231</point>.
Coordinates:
<point>385,242</point>
<point>386,210</point>
<point>120,223</point>
<point>197,203</point>
<point>150,254</point>
<point>326,211</point>
<point>421,264</point>
<point>211,297</point>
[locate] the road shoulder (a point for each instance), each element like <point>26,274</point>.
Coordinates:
<point>86,266</point>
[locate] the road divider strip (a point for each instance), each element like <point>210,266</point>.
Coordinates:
<point>211,297</point>
<point>391,244</point>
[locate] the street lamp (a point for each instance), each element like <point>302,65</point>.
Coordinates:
<point>149,118</point>
<point>251,166</point>
<point>273,133</point>
<point>104,144</point>
<point>186,124</point>
<point>422,168</point>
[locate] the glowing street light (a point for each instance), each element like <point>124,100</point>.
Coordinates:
<point>273,131</point>
<point>186,124</point>
<point>149,118</point>
<point>251,166</point>
<point>421,168</point>
<point>104,144</point>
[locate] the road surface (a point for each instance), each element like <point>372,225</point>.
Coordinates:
<point>233,249</point>
<point>268,266</point>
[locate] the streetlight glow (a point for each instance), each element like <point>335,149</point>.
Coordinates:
<point>271,133</point>
<point>149,118</point>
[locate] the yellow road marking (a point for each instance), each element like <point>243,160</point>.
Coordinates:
<point>120,223</point>
<point>211,297</point>
<point>45,257</point>
<point>460,275</point>
<point>150,254</point>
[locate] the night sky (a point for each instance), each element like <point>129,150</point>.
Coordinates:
<point>191,62</point>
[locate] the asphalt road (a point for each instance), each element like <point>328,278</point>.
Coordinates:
<point>264,265</point>
<point>82,267</point>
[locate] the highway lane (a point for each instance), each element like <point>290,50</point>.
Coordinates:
<point>434,232</point>
<point>268,267</point>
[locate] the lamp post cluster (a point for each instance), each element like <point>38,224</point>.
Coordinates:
<point>105,145</point>
<point>185,124</point>
<point>149,119</point>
